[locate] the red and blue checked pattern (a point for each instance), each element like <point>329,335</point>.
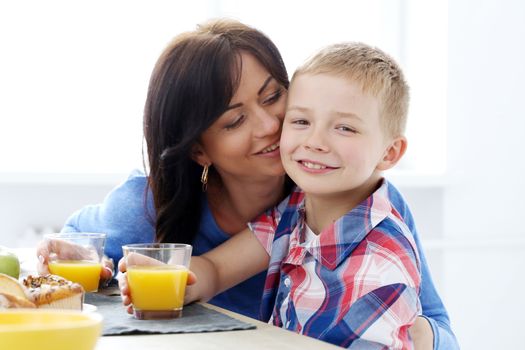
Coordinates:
<point>355,285</point>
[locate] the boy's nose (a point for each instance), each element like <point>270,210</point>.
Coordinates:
<point>316,148</point>
<point>316,143</point>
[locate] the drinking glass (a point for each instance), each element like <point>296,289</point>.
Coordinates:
<point>157,274</point>
<point>77,257</point>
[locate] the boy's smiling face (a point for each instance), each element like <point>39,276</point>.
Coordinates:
<point>332,141</point>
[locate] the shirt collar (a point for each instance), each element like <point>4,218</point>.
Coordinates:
<point>336,242</point>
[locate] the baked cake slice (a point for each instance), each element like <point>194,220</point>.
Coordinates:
<point>54,292</point>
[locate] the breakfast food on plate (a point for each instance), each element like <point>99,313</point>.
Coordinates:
<point>48,291</point>
<point>10,301</point>
<point>54,292</point>
<point>10,285</point>
<point>13,294</point>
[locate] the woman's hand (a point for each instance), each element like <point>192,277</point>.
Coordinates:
<point>140,259</point>
<point>108,266</point>
<point>68,251</point>
<point>421,334</point>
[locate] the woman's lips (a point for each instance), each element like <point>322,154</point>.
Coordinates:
<point>270,151</point>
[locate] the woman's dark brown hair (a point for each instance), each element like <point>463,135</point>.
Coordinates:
<point>191,85</point>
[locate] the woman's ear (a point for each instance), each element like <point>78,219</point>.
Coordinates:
<point>393,153</point>
<point>199,155</point>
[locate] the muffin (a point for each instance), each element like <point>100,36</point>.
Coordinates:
<point>54,292</point>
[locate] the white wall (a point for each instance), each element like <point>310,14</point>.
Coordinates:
<point>483,204</point>
<point>28,209</point>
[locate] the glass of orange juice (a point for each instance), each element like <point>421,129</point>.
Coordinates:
<point>77,257</point>
<point>157,275</point>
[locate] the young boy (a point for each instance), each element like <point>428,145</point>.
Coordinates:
<point>343,266</point>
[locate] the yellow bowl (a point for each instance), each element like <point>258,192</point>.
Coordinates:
<point>49,329</point>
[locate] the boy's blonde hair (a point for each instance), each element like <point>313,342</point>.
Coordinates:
<point>377,72</point>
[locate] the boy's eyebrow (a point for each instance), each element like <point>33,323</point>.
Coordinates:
<point>263,86</point>
<point>348,115</point>
<point>337,113</point>
<point>297,108</point>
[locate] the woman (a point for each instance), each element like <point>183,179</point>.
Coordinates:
<point>212,124</point>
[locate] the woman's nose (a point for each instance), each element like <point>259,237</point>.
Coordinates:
<point>267,123</point>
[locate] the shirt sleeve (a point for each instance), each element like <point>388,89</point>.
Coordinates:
<point>433,308</point>
<point>125,215</point>
<point>265,226</point>
<point>389,303</point>
<point>381,318</point>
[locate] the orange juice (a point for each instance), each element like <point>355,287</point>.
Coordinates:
<point>86,273</point>
<point>157,288</point>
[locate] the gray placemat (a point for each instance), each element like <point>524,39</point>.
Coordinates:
<point>196,318</point>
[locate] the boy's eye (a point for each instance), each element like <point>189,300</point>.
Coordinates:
<point>346,128</point>
<point>236,123</point>
<point>301,122</point>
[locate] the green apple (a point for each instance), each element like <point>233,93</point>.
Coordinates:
<point>9,263</point>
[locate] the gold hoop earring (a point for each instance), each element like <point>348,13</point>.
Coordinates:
<point>204,177</point>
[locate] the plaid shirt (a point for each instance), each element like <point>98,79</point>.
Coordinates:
<point>355,285</point>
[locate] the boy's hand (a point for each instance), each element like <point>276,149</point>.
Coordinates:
<point>142,260</point>
<point>123,286</point>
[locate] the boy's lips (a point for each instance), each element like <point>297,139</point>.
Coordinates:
<point>313,166</point>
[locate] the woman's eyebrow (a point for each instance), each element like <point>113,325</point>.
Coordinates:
<point>264,85</point>
<point>266,82</point>
<point>237,105</point>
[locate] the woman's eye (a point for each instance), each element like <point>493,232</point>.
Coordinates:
<point>236,123</point>
<point>273,97</point>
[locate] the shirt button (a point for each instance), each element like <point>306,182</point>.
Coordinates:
<point>287,282</point>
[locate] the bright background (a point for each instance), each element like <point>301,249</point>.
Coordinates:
<point>73,79</point>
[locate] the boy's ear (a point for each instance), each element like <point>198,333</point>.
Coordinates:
<point>199,155</point>
<point>393,153</point>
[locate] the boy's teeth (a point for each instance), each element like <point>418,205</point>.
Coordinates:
<point>313,165</point>
<point>270,148</point>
